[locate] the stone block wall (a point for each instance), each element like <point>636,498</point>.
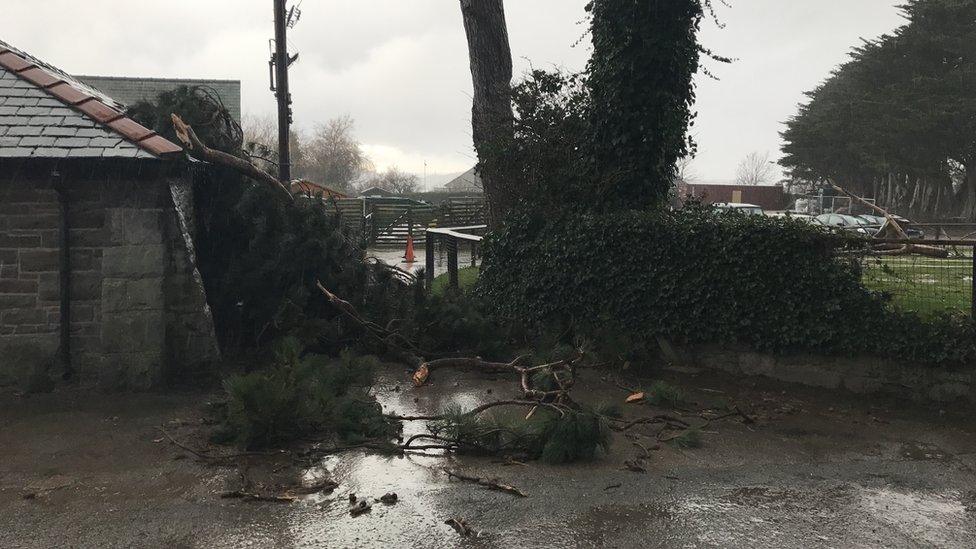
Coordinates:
<point>126,260</point>
<point>863,375</point>
<point>29,316</point>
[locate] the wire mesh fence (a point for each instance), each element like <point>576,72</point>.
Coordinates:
<point>923,284</point>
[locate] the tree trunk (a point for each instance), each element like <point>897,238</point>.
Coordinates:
<point>491,114</point>
<point>967,194</point>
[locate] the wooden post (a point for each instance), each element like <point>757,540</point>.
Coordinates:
<point>973,285</point>
<point>429,259</point>
<point>452,261</point>
<point>474,254</point>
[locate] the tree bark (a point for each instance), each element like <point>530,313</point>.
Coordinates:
<point>967,194</point>
<point>491,113</point>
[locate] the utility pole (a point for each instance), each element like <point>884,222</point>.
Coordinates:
<point>280,62</point>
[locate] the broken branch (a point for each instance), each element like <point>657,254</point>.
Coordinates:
<point>490,484</point>
<point>197,149</point>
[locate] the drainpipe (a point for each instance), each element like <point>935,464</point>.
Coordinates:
<point>64,275</point>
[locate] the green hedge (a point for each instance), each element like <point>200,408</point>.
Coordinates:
<point>693,277</point>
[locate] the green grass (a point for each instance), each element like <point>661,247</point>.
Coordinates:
<point>467,277</point>
<point>923,285</point>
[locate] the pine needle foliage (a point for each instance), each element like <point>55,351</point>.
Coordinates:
<point>573,437</point>
<point>303,395</point>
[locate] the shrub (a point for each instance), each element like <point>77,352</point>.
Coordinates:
<point>301,396</point>
<point>694,277</point>
<point>664,394</point>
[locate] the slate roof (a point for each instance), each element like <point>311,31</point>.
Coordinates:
<point>45,113</point>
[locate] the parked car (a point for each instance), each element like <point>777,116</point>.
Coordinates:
<point>792,215</point>
<point>748,209</point>
<point>847,223</point>
<point>905,224</point>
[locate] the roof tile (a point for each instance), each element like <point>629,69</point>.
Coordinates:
<point>14,62</point>
<point>130,129</point>
<point>101,112</point>
<point>25,130</point>
<point>60,131</point>
<point>72,142</point>
<point>39,76</point>
<point>21,101</point>
<point>46,120</point>
<point>37,141</point>
<point>80,122</point>
<point>160,146</point>
<point>103,142</point>
<point>50,152</point>
<point>86,152</point>
<point>34,111</point>
<point>69,94</point>
<point>121,152</point>
<point>16,152</point>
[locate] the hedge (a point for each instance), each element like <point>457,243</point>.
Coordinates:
<point>777,285</point>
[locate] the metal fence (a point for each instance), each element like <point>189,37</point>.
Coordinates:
<point>923,284</point>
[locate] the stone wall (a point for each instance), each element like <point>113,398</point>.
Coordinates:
<point>865,375</point>
<point>127,268</point>
<point>28,280</point>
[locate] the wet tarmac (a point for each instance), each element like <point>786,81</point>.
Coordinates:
<point>397,259</point>
<point>816,470</point>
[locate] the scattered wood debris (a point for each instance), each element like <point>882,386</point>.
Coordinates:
<point>461,526</point>
<point>360,508</point>
<point>490,484</point>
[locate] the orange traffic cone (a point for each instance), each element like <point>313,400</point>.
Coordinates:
<point>408,257</point>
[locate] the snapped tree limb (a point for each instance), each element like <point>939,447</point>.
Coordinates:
<point>197,149</point>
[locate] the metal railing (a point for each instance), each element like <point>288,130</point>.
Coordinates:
<point>451,239</point>
<point>923,283</point>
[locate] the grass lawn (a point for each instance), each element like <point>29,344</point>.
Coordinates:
<point>923,285</point>
<point>467,276</point>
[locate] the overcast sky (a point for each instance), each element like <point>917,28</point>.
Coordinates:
<point>400,69</point>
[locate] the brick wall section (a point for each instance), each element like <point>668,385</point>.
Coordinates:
<point>132,307</point>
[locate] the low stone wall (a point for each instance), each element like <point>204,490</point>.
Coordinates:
<point>858,375</point>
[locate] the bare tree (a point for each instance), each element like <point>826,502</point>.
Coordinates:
<point>755,169</point>
<point>686,170</point>
<point>261,142</point>
<point>491,113</point>
<point>332,156</point>
<point>393,180</point>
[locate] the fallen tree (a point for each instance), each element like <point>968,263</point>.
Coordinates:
<point>888,248</point>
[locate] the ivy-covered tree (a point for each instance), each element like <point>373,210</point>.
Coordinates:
<point>898,121</point>
<point>645,55</point>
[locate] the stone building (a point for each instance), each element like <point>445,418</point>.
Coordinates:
<point>131,90</point>
<point>97,276</point>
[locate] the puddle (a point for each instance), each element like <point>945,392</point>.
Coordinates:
<point>933,519</point>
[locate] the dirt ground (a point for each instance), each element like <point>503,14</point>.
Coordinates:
<point>815,470</point>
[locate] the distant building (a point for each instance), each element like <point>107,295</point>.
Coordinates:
<point>130,90</point>
<point>769,197</point>
<point>468,182</point>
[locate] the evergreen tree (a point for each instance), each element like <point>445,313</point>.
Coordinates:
<point>898,121</point>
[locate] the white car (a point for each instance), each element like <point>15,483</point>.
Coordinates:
<point>748,209</point>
